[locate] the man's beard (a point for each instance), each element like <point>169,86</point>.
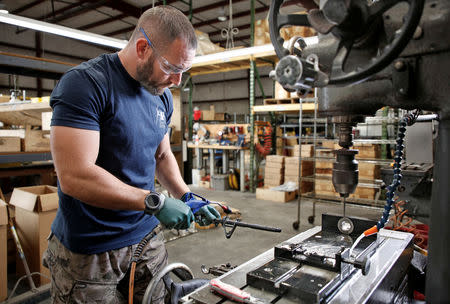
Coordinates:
<point>143,71</point>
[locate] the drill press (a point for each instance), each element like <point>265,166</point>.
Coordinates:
<point>345,168</point>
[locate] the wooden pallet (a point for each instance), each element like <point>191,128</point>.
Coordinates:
<point>291,100</point>
<point>271,101</point>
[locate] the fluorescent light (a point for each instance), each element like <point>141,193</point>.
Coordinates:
<point>61,30</point>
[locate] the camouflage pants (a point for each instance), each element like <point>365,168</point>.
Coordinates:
<point>103,277</point>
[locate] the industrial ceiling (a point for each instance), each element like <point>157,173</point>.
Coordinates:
<point>116,18</point>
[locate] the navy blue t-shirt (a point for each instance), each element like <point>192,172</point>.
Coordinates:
<point>100,95</point>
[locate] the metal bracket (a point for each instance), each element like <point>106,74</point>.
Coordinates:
<point>402,76</point>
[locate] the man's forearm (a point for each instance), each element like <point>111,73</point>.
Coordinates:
<point>97,187</point>
<point>169,175</point>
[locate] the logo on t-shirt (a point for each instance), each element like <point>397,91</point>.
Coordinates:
<point>161,118</point>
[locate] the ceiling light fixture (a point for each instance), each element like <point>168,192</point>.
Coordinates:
<point>61,30</point>
<point>222,16</point>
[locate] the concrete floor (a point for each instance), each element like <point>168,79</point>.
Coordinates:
<point>211,247</point>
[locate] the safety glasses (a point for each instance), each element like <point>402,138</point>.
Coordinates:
<point>165,65</point>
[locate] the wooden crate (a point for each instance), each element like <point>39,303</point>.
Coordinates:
<point>366,193</point>
<point>276,196</point>
<point>274,159</point>
<point>10,144</point>
<point>330,144</point>
<point>292,168</point>
<point>306,186</point>
<point>36,140</point>
<point>325,187</point>
<point>368,151</point>
<point>324,152</point>
<point>368,170</point>
<point>273,181</point>
<point>274,171</point>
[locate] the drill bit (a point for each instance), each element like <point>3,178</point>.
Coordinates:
<point>343,204</point>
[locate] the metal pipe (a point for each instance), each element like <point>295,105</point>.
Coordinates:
<point>252,102</point>
<point>428,117</point>
<point>252,126</point>
<point>299,199</point>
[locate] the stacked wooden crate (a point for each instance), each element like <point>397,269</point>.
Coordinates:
<point>26,127</point>
<point>367,171</point>
<point>262,35</point>
<point>291,172</point>
<point>274,171</point>
<point>274,176</point>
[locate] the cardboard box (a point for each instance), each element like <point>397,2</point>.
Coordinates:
<point>35,211</point>
<point>220,116</point>
<point>3,251</point>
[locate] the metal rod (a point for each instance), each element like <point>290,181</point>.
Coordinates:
<point>299,199</point>
<point>343,206</point>
<point>428,117</point>
<point>248,225</point>
<point>21,254</point>
<point>242,168</point>
<point>314,151</point>
<point>191,110</point>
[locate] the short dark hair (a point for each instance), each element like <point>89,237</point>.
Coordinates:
<point>164,24</point>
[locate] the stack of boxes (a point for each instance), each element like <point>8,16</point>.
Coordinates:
<point>274,172</point>
<point>291,173</point>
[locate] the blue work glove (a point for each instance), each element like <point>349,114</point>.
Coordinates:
<point>175,214</point>
<point>188,196</point>
<point>205,214</point>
